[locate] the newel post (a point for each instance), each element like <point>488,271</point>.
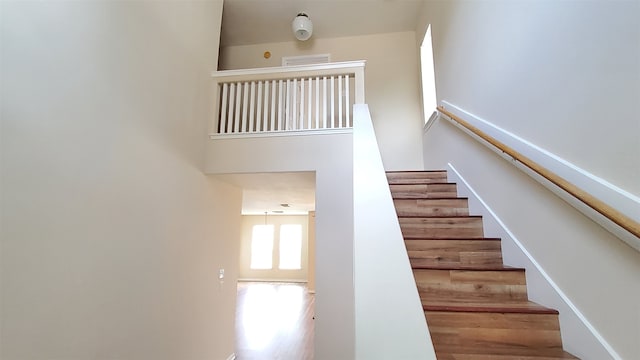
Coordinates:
<point>359,79</point>
<point>215,108</point>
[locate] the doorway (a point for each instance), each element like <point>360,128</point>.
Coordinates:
<point>275,289</point>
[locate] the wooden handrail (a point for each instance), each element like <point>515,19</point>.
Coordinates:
<point>589,200</point>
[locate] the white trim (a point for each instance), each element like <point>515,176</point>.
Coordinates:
<point>618,198</point>
<point>282,133</point>
<point>232,357</point>
<point>279,71</point>
<point>537,265</point>
<point>629,204</point>
<point>432,119</point>
<point>297,281</point>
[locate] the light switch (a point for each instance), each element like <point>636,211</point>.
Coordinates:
<point>221,274</point>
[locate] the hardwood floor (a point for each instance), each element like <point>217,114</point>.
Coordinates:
<point>274,321</point>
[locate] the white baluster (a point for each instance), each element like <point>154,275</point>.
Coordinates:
<point>340,101</point>
<point>236,124</point>
<point>273,105</point>
<point>309,105</point>
<point>317,102</point>
<point>252,106</point>
<point>301,117</point>
<point>287,106</point>
<point>231,112</point>
<point>280,95</point>
<point>259,108</point>
<point>223,109</point>
<point>324,102</point>
<point>232,103</point>
<point>346,97</point>
<point>266,106</point>
<point>245,102</point>
<point>333,102</point>
<point>294,105</point>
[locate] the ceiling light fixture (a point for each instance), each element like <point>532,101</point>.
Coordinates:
<point>302,27</point>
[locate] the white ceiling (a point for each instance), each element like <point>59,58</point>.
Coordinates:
<point>246,22</point>
<point>265,192</point>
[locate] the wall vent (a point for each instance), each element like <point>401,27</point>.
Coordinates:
<point>305,59</point>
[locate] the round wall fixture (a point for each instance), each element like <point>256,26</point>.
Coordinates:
<point>302,27</point>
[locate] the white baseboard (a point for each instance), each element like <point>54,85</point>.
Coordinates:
<point>621,200</point>
<point>302,281</point>
<point>584,338</point>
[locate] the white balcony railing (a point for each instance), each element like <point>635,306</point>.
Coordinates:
<point>286,99</point>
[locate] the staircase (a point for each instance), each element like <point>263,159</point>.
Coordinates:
<point>476,307</point>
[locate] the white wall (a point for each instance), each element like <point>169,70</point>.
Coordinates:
<point>111,234</point>
<point>564,76</point>
<point>274,274</point>
<point>331,157</point>
<point>595,270</point>
<point>391,84</point>
<point>390,321</point>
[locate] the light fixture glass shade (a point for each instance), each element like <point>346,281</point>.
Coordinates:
<point>302,27</point>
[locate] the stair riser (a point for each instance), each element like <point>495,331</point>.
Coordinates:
<point>443,260</point>
<point>495,333</point>
<point>432,207</point>
<point>454,252</point>
<point>438,174</point>
<point>470,285</point>
<point>424,190</point>
<point>417,177</point>
<point>449,227</point>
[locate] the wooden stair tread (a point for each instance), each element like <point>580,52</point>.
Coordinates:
<point>439,217</point>
<point>431,207</point>
<point>417,174</point>
<point>414,181</point>
<point>415,196</point>
<point>428,198</point>
<point>411,237</point>
<point>416,177</point>
<point>519,307</point>
<point>432,189</point>
<point>415,171</point>
<point>409,185</point>
<point>468,267</point>
<point>431,183</point>
<point>450,238</point>
<point>495,333</point>
<point>441,226</point>
<point>454,252</point>
<point>457,356</point>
